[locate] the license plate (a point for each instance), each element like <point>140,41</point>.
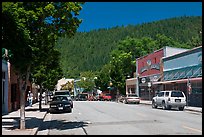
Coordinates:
<point>60,108</point>
<point>177,100</point>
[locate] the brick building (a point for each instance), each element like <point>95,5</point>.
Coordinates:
<point>148,70</point>
<point>10,88</point>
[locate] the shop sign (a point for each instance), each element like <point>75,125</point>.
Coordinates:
<point>155,66</point>
<point>154,78</point>
<point>149,84</point>
<point>144,69</point>
<point>150,66</point>
<point>143,80</point>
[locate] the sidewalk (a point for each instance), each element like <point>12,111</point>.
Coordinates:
<point>33,117</point>
<point>188,108</point>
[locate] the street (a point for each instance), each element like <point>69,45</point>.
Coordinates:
<point>111,118</point>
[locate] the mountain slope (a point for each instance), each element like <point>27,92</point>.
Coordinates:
<point>91,50</point>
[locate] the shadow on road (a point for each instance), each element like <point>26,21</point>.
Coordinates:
<point>37,109</point>
<point>62,125</point>
<point>12,123</point>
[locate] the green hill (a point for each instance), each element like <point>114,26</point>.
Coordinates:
<point>90,50</point>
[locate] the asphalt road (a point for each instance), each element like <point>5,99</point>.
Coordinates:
<point>111,118</point>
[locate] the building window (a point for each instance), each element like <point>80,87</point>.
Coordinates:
<point>196,87</point>
<point>3,75</point>
<point>128,90</point>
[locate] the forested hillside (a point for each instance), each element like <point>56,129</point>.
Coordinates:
<point>90,50</point>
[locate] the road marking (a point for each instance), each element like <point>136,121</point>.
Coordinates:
<point>194,129</point>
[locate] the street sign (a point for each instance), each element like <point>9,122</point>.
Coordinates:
<point>149,84</point>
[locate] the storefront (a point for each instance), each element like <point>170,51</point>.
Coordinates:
<point>130,86</point>
<point>183,72</point>
<point>149,70</point>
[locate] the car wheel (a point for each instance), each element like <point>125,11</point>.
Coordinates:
<point>124,102</point>
<point>181,108</point>
<point>70,111</point>
<point>164,105</point>
<point>169,107</point>
<point>154,104</point>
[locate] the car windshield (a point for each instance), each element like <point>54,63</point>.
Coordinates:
<point>176,94</point>
<point>133,95</point>
<point>62,93</point>
<point>60,98</point>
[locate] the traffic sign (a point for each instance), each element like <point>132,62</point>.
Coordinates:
<point>149,84</point>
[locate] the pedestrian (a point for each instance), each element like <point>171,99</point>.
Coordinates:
<point>30,98</point>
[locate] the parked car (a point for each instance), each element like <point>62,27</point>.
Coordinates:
<point>82,97</point>
<point>60,103</point>
<point>131,98</point>
<point>121,98</point>
<point>99,97</point>
<point>169,99</point>
<point>107,97</point>
<point>64,93</point>
<point>92,98</point>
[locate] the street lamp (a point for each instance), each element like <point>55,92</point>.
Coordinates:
<point>110,84</point>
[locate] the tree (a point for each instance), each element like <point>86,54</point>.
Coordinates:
<point>123,58</point>
<point>30,29</point>
<point>68,86</point>
<point>87,81</point>
<point>47,73</point>
<point>121,69</point>
<point>103,77</point>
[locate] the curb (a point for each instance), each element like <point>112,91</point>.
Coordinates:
<point>200,111</point>
<point>188,109</point>
<point>35,130</point>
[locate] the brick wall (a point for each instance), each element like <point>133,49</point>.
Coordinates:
<point>13,80</point>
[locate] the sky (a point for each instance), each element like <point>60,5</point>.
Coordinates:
<point>105,15</point>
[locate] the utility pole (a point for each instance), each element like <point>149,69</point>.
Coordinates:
<point>188,91</point>
<point>149,88</point>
